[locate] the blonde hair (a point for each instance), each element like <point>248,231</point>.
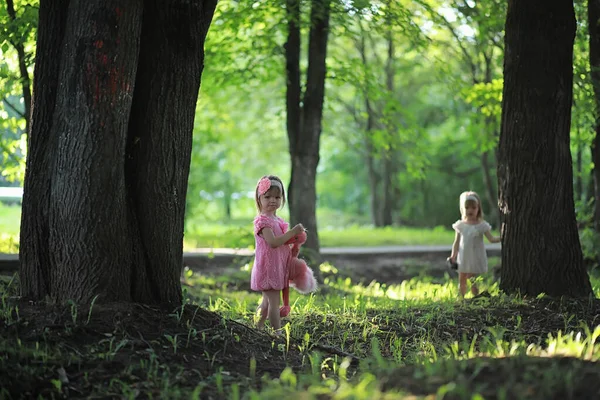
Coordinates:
<point>272,178</point>
<point>470,197</point>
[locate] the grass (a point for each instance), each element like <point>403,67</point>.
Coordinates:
<point>10,219</point>
<point>414,339</point>
<point>237,236</point>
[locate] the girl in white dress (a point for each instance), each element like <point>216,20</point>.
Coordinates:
<point>468,250</point>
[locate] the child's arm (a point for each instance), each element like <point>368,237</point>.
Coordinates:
<point>455,245</point>
<point>491,238</point>
<point>276,241</point>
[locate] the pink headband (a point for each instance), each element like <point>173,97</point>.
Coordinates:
<point>265,184</point>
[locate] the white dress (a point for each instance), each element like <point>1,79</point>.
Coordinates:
<point>472,257</point>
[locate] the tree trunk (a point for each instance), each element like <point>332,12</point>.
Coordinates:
<point>371,169</point>
<point>22,56</point>
<point>388,187</point>
<point>293,88</point>
<point>34,250</point>
<point>579,195</point>
<point>389,172</point>
<point>370,126</point>
<point>541,252</point>
<point>304,137</point>
<point>594,28</point>
<point>112,143</point>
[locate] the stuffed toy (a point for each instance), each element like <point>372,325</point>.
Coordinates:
<point>301,276</point>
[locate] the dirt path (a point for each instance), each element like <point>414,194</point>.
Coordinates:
<point>390,264</point>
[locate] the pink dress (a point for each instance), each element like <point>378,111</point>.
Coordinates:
<point>270,270</point>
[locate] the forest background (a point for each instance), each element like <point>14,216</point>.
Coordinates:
<point>411,119</point>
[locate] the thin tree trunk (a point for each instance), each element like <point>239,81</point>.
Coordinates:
<point>541,252</point>
<point>370,126</point>
<point>371,169</point>
<point>388,188</point>
<point>594,29</point>
<point>22,56</point>
<point>388,153</point>
<point>118,150</point>
<point>579,195</point>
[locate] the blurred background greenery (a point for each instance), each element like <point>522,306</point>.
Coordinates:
<point>413,96</point>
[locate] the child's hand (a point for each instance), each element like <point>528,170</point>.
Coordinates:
<point>298,229</point>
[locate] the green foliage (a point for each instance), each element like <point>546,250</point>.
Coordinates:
<point>588,236</point>
<point>17,32</point>
<point>486,98</point>
<point>433,119</point>
<point>10,221</point>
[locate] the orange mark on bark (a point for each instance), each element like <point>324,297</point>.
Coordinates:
<point>97,92</point>
<point>98,44</point>
<point>114,80</point>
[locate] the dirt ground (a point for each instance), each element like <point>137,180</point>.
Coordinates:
<point>50,351</point>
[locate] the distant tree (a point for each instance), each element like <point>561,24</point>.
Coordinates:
<point>541,252</point>
<point>115,89</point>
<point>304,103</point>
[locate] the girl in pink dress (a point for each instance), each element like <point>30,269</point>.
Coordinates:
<point>270,273</point>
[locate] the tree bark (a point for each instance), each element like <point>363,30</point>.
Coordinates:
<point>541,252</point>
<point>34,250</point>
<point>304,137</point>
<point>594,29</point>
<point>116,157</point>
<point>293,85</point>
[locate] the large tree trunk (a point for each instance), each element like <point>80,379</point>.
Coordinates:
<point>541,252</point>
<point>106,179</point>
<point>304,136</point>
<point>34,250</point>
<point>594,28</point>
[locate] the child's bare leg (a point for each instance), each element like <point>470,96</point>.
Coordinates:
<point>462,283</point>
<point>263,309</point>
<point>474,288</point>
<point>273,296</point>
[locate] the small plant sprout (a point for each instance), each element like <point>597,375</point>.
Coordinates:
<point>91,308</point>
<point>287,328</point>
<point>73,311</point>
<point>173,340</point>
